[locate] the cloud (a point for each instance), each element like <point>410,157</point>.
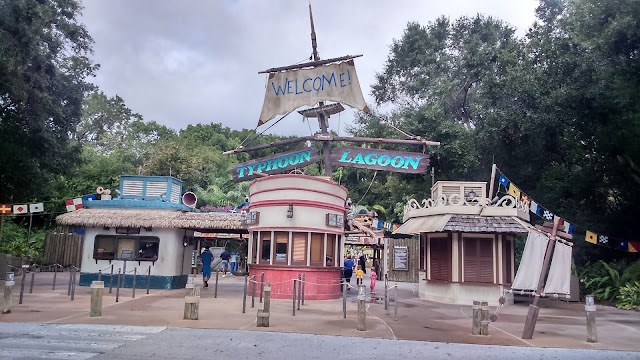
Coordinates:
<point>182,63</point>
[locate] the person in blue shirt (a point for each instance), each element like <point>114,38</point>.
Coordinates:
<point>206,256</point>
<point>347,271</point>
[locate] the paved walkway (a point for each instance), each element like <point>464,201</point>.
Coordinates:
<point>559,325</point>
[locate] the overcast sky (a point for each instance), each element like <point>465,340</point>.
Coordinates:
<point>189,62</point>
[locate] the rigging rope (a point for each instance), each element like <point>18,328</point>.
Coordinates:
<point>365,193</point>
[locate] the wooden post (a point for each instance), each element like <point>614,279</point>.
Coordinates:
<point>344,300</point>
<point>215,286</point>
<point>475,319</point>
<point>267,298</point>
<point>22,283</point>
<point>532,314</point>
<point>73,284</point>
<point>590,308</point>
<point>111,280</point>
<point>299,290</point>
<point>484,318</point>
<point>97,289</point>
<point>395,303</point>
<point>133,286</point>
<point>118,286</point>
<point>261,285</point>
<point>304,279</point>
<point>492,181</point>
<point>244,295</point>
<point>148,279</point>
<point>191,302</point>
<point>253,291</point>
<point>33,277</point>
<point>55,273</point>
<point>8,289</point>
<point>362,309</point>
<point>70,280</point>
<point>264,314</point>
<point>99,275</point>
<point>386,295</point>
<point>294,297</point>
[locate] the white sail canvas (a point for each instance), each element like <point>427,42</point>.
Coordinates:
<point>559,279</point>
<point>530,267</point>
<point>289,90</point>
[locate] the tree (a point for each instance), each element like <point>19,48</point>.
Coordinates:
<point>44,65</point>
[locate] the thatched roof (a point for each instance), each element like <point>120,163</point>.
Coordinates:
<point>152,218</point>
<point>462,223</point>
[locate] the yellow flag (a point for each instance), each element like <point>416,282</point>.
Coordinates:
<point>591,237</point>
<point>514,191</point>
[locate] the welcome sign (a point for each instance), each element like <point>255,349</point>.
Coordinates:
<point>378,159</point>
<point>289,90</point>
<point>275,164</point>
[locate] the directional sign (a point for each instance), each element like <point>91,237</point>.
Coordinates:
<point>378,159</point>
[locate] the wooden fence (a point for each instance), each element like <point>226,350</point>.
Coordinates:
<point>62,248</point>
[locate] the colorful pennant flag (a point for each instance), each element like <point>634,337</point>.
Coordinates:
<point>5,209</point>
<point>504,181</point>
<point>20,209</point>
<point>525,198</point>
<point>633,246</point>
<point>591,237</point>
<point>622,244</point>
<point>603,240</point>
<point>73,204</point>
<point>36,208</point>
<point>514,191</point>
<point>90,197</point>
<point>568,227</point>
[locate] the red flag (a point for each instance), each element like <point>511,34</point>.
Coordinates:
<point>5,209</point>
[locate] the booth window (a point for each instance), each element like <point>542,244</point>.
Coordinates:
<point>282,243</point>
<point>254,255</point>
<point>265,249</point>
<point>478,260</point>
<point>331,250</point>
<point>299,252</point>
<point>148,249</point>
<point>104,247</point>
<point>317,249</point>
<point>440,259</point>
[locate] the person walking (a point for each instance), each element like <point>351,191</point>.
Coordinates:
<point>225,262</point>
<point>347,271</point>
<point>206,257</point>
<point>374,276</point>
<point>359,275</point>
<point>362,261</point>
<point>234,263</point>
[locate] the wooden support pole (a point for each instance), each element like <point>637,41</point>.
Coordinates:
<point>244,295</point>
<point>215,286</point>
<point>133,286</point>
<point>8,289</point>
<point>148,279</point>
<point>475,323</point>
<point>532,314</point>
<point>191,302</point>
<point>253,291</point>
<point>73,284</point>
<point>344,300</point>
<point>395,303</point>
<point>97,289</point>
<point>484,318</point>
<point>294,297</point>
<point>55,273</point>
<point>261,285</point>
<point>111,280</point>
<point>304,279</point>
<point>22,279</point>
<point>299,290</point>
<point>118,286</point>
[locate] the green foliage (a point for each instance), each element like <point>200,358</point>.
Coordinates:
<point>629,296</point>
<point>15,240</point>
<point>605,280</point>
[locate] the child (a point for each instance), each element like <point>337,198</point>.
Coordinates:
<point>373,279</point>
<point>359,275</point>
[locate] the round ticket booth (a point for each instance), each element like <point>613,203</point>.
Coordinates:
<point>296,226</point>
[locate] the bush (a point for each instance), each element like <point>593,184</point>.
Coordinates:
<point>629,297</point>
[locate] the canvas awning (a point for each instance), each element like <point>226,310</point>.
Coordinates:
<point>423,224</point>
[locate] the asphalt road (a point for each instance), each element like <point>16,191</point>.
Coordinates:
<point>72,342</point>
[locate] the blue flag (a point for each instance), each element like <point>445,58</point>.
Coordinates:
<point>503,180</point>
<point>90,197</point>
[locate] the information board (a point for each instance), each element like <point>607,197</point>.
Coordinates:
<point>400,258</point>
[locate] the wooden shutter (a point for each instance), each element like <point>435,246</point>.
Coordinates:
<point>317,249</point>
<point>507,257</point>
<point>265,249</point>
<point>331,250</point>
<point>299,249</point>
<point>478,260</point>
<point>440,259</point>
<point>423,250</point>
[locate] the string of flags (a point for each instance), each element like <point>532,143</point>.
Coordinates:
<point>19,209</point>
<point>589,236</point>
<point>76,204</point>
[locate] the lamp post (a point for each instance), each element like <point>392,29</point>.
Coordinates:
<point>290,211</point>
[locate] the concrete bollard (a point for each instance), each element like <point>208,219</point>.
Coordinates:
<point>362,309</point>
<point>484,318</point>
<point>475,319</point>
<point>590,308</point>
<point>8,289</point>
<point>191,302</point>
<point>97,289</point>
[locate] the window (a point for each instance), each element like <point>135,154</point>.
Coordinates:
<point>140,248</point>
<point>265,249</point>
<point>254,255</point>
<point>478,260</point>
<point>299,255</point>
<point>440,259</point>
<point>282,243</point>
<point>331,250</point>
<point>148,249</point>
<point>104,247</point>
<point>317,249</point>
